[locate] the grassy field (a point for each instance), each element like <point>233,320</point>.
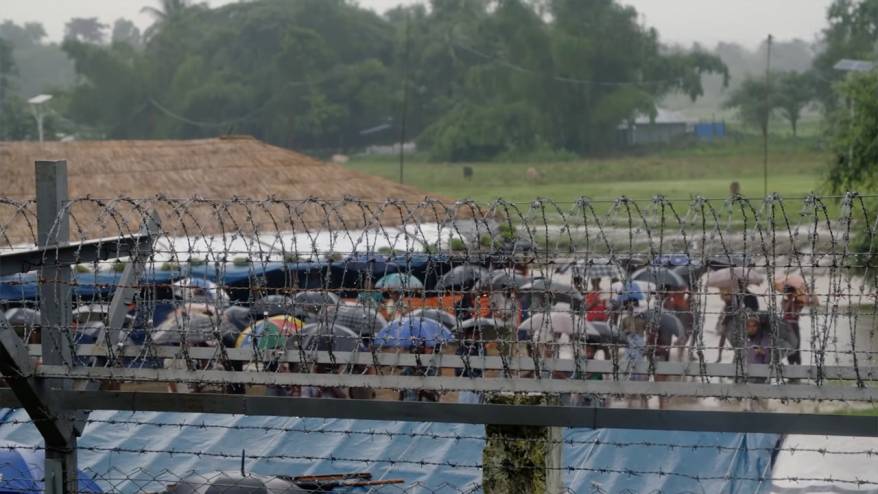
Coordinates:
<point>796,167</point>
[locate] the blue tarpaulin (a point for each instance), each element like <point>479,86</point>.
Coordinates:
<point>124,453</point>
<point>239,279</point>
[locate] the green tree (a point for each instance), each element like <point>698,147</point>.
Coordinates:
<point>794,92</point>
<point>167,12</point>
<point>855,134</point>
<point>28,34</point>
<point>125,31</point>
<point>755,102</point>
<point>851,31</point>
<point>15,122</point>
<point>85,29</point>
<point>482,78</point>
<point>8,70</point>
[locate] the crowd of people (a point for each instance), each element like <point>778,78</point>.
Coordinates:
<point>499,313</point>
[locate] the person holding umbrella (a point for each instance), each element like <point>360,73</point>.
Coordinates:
<point>396,287</point>
<point>733,285</point>
<point>418,335</point>
<point>795,298</point>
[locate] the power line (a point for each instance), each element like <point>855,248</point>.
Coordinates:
<point>557,78</point>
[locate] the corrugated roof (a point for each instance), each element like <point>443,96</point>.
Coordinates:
<point>663,116</point>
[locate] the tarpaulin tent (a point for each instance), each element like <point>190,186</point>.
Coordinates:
<point>431,456</point>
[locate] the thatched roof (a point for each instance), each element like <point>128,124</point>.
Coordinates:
<point>214,169</point>
<point>209,168</point>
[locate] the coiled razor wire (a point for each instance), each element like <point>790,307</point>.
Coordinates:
<point>320,256</point>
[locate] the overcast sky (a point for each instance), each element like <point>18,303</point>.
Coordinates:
<point>681,21</point>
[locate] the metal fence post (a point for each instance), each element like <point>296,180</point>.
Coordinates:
<point>53,228</point>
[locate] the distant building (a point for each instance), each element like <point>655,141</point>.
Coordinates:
<point>666,127</point>
<point>709,131</point>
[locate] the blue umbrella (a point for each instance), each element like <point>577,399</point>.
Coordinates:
<point>630,292</point>
<point>21,470</point>
<point>399,281</point>
<point>411,332</point>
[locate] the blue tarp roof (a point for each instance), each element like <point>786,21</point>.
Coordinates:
<point>446,461</point>
<point>310,275</point>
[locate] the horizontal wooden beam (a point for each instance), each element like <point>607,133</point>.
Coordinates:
<point>493,363</point>
<point>727,390</point>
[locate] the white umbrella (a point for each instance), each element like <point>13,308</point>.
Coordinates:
<point>544,327</point>
<point>731,277</point>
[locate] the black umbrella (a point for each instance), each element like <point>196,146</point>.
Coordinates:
<point>462,277</point>
<point>235,319</point>
<point>552,292</point>
<point>691,273</point>
<point>631,264</point>
<point>359,318</point>
<point>272,305</point>
<point>501,280</point>
<point>668,325</point>
<point>324,338</point>
<point>661,277</point>
<point>446,319</point>
<point>312,302</point>
<point>488,328</point>
<point>721,261</point>
<point>199,330</point>
<point>602,334</point>
<point>234,484</point>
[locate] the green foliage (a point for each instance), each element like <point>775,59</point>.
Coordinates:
<point>85,29</point>
<point>855,134</point>
<point>514,457</point>
<point>15,121</point>
<point>118,267</point>
<point>854,137</point>
<point>850,34</point>
<point>755,102</point>
<point>786,93</point>
<point>170,266</point>
<point>126,32</point>
<point>456,245</point>
<point>241,262</point>
<point>41,67</point>
<point>507,232</point>
<point>197,261</point>
<point>483,79</point>
<point>795,91</point>
<point>8,69</point>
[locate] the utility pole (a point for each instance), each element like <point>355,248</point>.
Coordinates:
<point>405,98</point>
<point>767,117</point>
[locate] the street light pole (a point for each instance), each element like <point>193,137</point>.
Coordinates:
<point>36,104</point>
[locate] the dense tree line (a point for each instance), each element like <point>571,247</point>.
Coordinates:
<point>471,79</point>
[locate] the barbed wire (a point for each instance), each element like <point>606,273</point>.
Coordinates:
<point>236,253</point>
<point>413,435</point>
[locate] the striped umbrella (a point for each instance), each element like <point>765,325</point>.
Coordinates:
<point>269,334</point>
